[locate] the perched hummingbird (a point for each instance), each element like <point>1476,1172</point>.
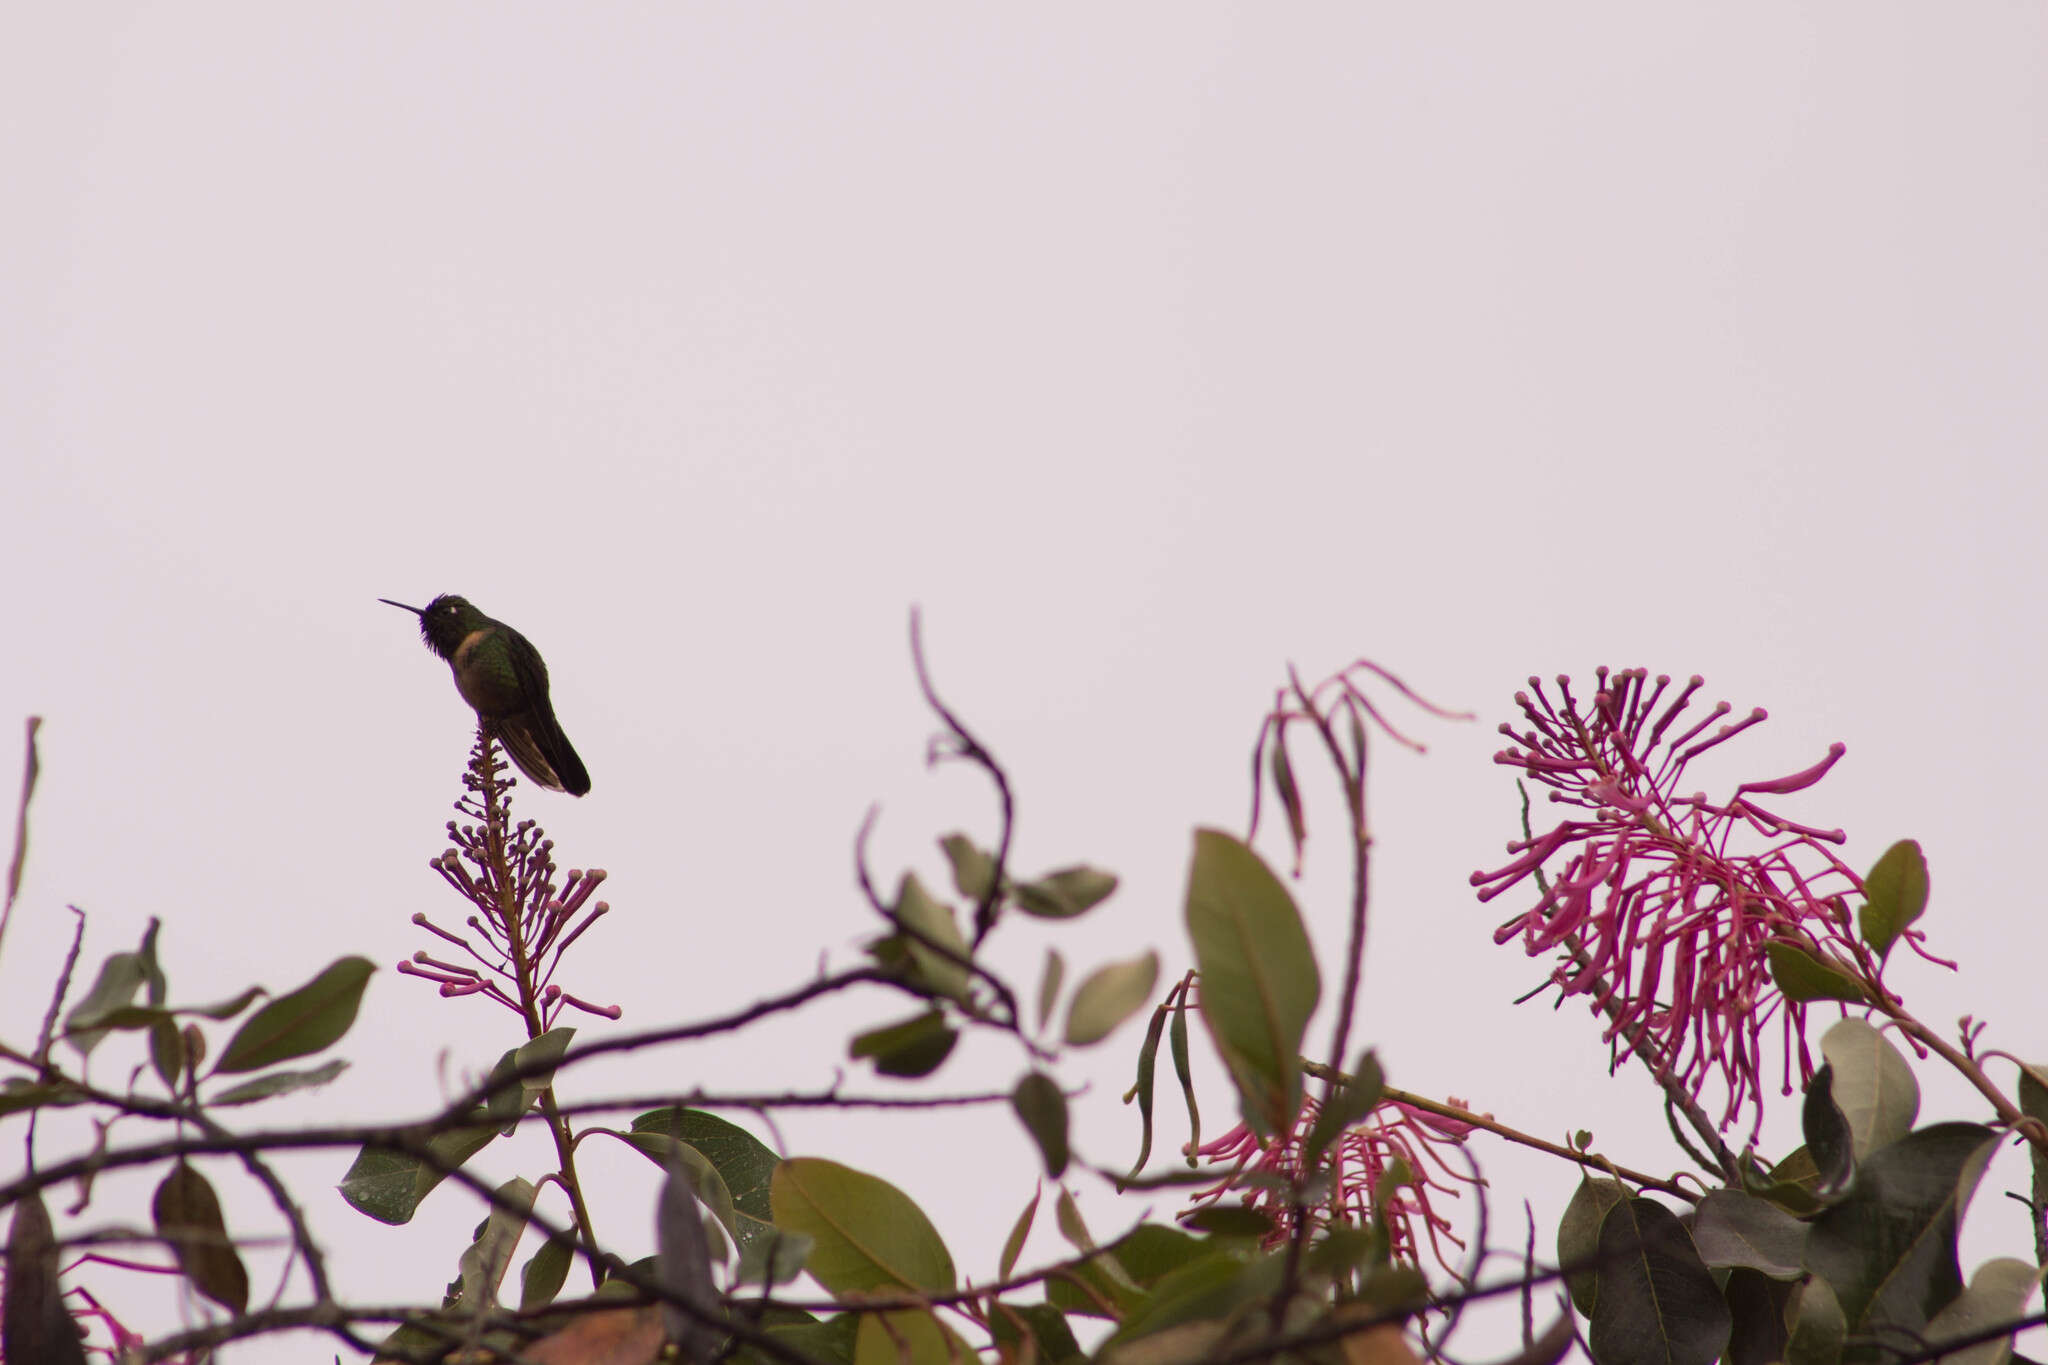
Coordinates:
<point>503,679</point>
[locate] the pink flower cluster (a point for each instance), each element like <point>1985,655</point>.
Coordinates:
<point>1655,912</point>
<point>1395,1138</point>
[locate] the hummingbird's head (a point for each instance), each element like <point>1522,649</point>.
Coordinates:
<point>444,622</point>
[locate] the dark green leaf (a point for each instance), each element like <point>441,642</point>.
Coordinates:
<point>1578,1237</point>
<point>1259,978</point>
<point>1657,1303</point>
<point>146,1016</point>
<point>1756,1303</point>
<point>1042,1109</point>
<point>278,1083</point>
<point>311,1018</point>
<point>869,1235</point>
<point>1873,1086</point>
<point>1109,996</point>
<point>1044,1326</point>
<point>707,1185</point>
<point>545,1273</point>
<point>1897,895</point>
<point>1804,977</point>
<point>1152,1250</point>
<point>167,1053</point>
<point>1734,1229</point>
<point>487,1258</point>
<point>187,1214</point>
<point>745,1164</point>
<point>1828,1139</point>
<point>388,1185</point>
<point>912,1047</point>
<point>1888,1248</point>
<point>509,1099</point>
<point>910,1337</point>
<point>1229,1220</point>
<point>34,1324</point>
<point>939,969</point>
<point>2033,1098</point>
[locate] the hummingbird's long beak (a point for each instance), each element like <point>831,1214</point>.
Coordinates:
<point>416,611</point>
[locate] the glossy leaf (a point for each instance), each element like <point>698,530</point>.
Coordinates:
<point>1873,1085</point>
<point>1042,1109</point>
<point>187,1216</point>
<point>1259,977</point>
<point>1657,1303</point>
<point>1110,995</point>
<point>912,1047</point>
<point>1897,895</point>
<point>278,1083</point>
<point>388,1185</point>
<point>311,1018</point>
<point>870,1236</point>
<point>1578,1236</point>
<point>1804,977</point>
<point>1998,1293</point>
<point>707,1186</point>
<point>1889,1247</point>
<point>1732,1229</point>
<point>742,1160</point>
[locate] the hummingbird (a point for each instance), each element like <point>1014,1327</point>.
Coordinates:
<point>503,679</point>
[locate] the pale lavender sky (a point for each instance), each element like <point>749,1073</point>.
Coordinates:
<point>1148,347</point>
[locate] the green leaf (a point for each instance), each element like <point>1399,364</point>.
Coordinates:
<point>1873,1085</point>
<point>36,1326</point>
<point>1348,1103</point>
<point>2033,1097</point>
<point>870,1237</point>
<point>121,976</point>
<point>1733,1229</point>
<point>167,1053</point>
<point>1897,895</point>
<point>974,872</point>
<point>1043,1326</point>
<point>916,1046</point>
<point>146,1016</point>
<point>388,1185</point>
<point>278,1083</point>
<point>1109,996</point>
<point>546,1271</point>
<point>1818,1326</point>
<point>487,1258</point>
<point>1656,1301</point>
<point>1757,1305</point>
<point>1578,1236</point>
<point>673,1155</point>
<point>932,969</point>
<point>1049,982</point>
<point>1042,1109</point>
<point>774,1258</point>
<point>745,1164</point>
<point>1259,978</point>
<point>1804,977</point>
<point>1229,1220</point>
<point>1151,1251</point>
<point>1998,1293</point>
<point>311,1018</point>
<point>1888,1248</point>
<point>1064,894</point>
<point>508,1100</point>
<point>1828,1140</point>
<point>910,1337</point>
<point>1013,1245</point>
<point>187,1215</point>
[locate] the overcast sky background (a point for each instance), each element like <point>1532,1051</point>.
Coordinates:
<point>1149,348</point>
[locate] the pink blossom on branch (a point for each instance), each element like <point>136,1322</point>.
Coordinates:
<point>1665,902</point>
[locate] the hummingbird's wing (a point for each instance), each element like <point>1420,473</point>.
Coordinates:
<point>532,736</point>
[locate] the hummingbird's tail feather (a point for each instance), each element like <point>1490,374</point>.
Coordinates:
<point>536,743</point>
